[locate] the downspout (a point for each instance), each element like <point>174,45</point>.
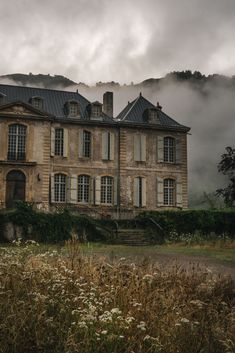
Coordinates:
<point>119,176</point>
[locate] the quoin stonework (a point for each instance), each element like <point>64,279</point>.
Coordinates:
<point>59,150</point>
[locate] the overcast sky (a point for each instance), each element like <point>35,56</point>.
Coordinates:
<point>121,40</point>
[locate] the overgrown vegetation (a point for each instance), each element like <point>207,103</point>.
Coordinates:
<point>165,225</point>
<point>68,302</point>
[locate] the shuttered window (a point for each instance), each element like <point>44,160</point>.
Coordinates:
<point>107,146</point>
<point>106,190</point>
<point>140,192</point>
<point>169,192</point>
<point>140,148</point>
<point>83,188</point>
<point>17,142</point>
<point>60,187</point>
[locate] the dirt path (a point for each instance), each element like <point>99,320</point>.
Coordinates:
<point>186,261</point>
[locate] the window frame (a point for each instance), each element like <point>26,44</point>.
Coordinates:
<point>169,149</point>
<point>107,190</point>
<point>59,143</point>
<point>60,188</point>
<point>73,109</point>
<point>86,146</point>
<point>169,192</point>
<point>83,188</point>
<point>17,142</point>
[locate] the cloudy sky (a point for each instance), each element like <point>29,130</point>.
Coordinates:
<point>121,40</point>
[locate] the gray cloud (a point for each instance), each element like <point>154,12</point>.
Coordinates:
<point>116,39</point>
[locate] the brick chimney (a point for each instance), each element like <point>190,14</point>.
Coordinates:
<point>108,104</point>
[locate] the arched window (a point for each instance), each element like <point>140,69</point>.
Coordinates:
<point>106,190</point>
<point>169,192</point>
<point>60,187</point>
<point>83,188</point>
<point>169,149</point>
<point>16,142</point>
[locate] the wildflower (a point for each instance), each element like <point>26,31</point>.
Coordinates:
<point>184,320</point>
<point>104,332</point>
<point>141,326</point>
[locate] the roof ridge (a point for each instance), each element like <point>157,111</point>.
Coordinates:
<point>40,88</point>
<point>132,105</point>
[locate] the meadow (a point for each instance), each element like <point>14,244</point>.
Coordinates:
<point>68,299</point>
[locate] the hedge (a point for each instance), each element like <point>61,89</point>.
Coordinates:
<point>57,227</point>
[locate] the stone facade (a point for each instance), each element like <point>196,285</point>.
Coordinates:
<point>132,179</point>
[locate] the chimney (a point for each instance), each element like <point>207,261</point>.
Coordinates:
<point>108,104</point>
<point>159,106</point>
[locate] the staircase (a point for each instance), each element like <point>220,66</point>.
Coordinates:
<point>134,237</point>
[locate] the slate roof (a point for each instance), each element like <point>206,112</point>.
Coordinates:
<point>53,100</point>
<point>134,113</point>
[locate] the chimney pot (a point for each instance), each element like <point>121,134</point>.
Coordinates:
<point>108,104</point>
<point>159,106</point>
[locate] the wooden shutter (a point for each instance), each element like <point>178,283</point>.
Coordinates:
<point>52,187</point>
<point>179,194</point>
<point>144,192</point>
<point>159,192</point>
<point>73,189</point>
<point>115,190</point>
<point>136,199</point>
<point>105,144</point>
<point>66,142</point>
<point>80,144</point>
<point>52,141</point>
<point>111,146</point>
<point>137,147</point>
<point>92,187</point>
<point>178,150</point>
<point>160,149</point>
<point>97,190</point>
<point>143,148</point>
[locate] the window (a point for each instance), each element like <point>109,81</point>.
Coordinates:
<point>107,145</point>
<point>37,102</point>
<point>59,142</point>
<point>60,188</point>
<point>96,110</point>
<point>83,188</point>
<point>169,149</point>
<point>140,192</point>
<point>73,109</point>
<point>140,148</point>
<point>86,144</point>
<point>16,142</point>
<point>106,190</point>
<point>169,192</point>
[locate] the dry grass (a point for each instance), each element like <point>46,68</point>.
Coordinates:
<point>67,303</point>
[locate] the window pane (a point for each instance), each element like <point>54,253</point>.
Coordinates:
<point>107,190</point>
<point>60,187</point>
<point>83,188</point>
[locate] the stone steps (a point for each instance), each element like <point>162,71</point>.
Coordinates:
<point>133,237</point>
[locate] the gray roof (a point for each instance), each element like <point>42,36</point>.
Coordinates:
<point>53,100</point>
<point>134,113</point>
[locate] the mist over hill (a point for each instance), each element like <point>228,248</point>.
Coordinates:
<point>205,103</point>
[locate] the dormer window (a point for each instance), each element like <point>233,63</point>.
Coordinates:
<point>96,109</point>
<point>2,98</point>
<point>151,116</point>
<point>73,109</point>
<point>37,102</point>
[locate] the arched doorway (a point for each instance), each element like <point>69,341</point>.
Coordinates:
<point>15,187</point>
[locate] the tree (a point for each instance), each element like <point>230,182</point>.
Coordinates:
<point>227,167</point>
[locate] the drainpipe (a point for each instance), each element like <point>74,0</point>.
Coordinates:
<point>119,176</point>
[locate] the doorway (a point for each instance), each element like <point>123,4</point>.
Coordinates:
<point>15,187</point>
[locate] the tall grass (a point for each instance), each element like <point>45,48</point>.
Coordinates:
<point>66,302</point>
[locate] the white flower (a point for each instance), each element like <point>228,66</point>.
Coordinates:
<point>104,332</point>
